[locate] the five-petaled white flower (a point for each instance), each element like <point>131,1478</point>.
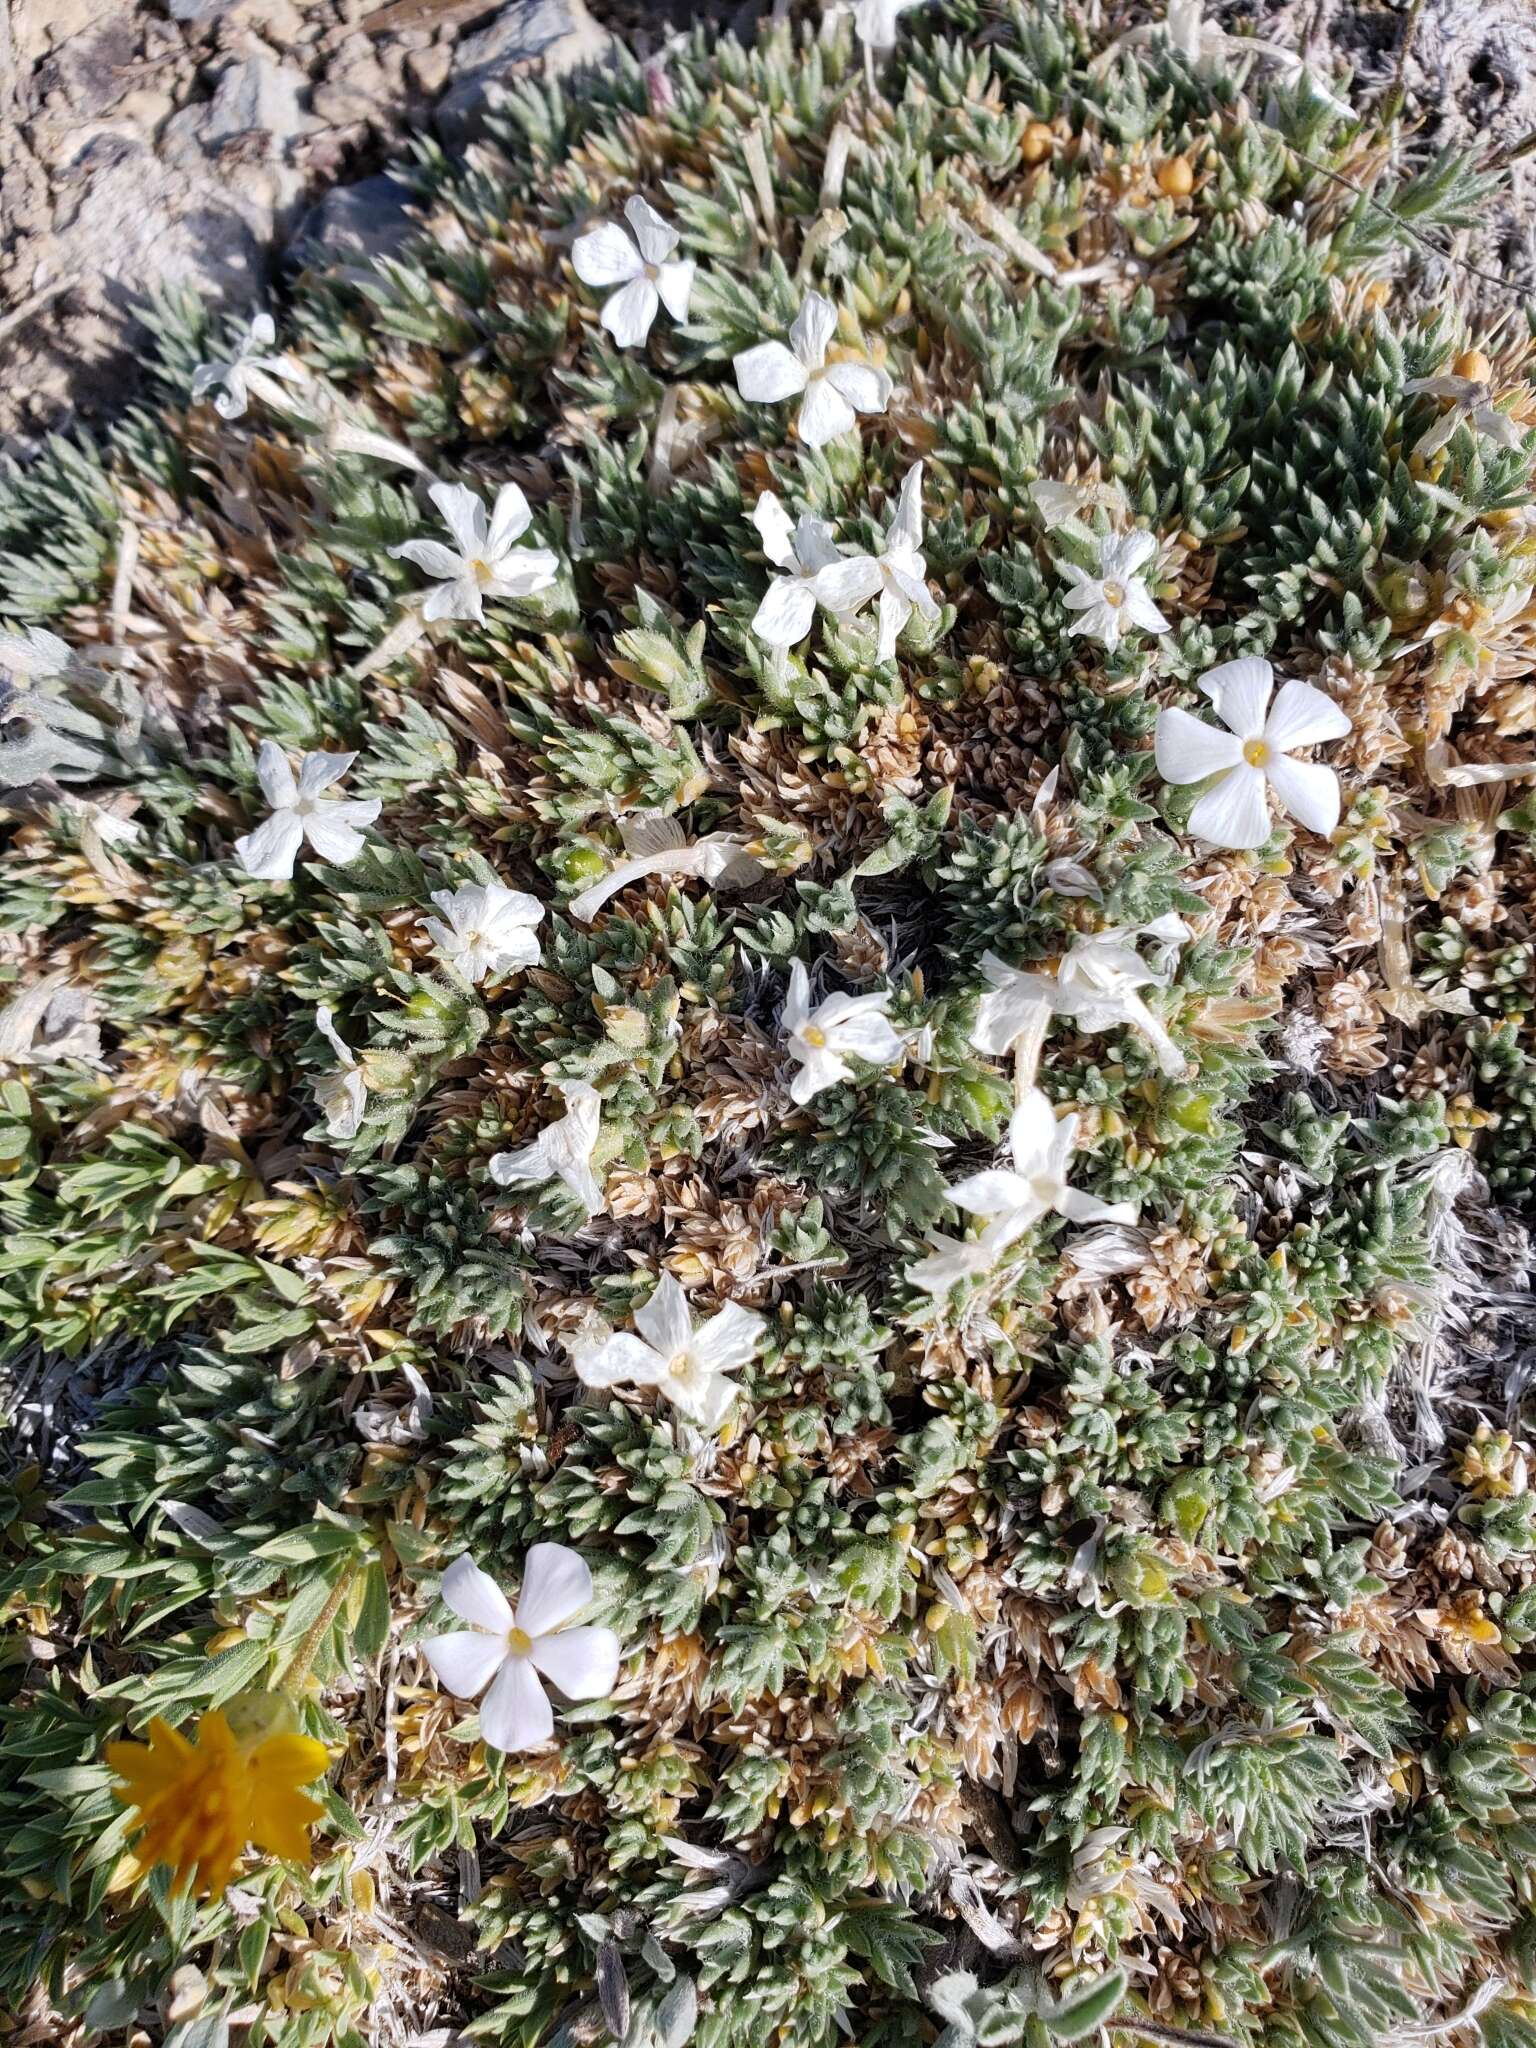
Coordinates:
<point>655,845</point>
<point>1012,1199</point>
<point>300,811</point>
<point>835,393</point>
<point>692,1367</point>
<point>840,1028</point>
<point>486,929</point>
<point>1253,754</point>
<point>511,1651</point>
<point>1109,604</point>
<point>562,1151</point>
<point>803,550</point>
<point>898,575</point>
<point>343,1094</point>
<point>1097,984</point>
<point>639,267</point>
<point>232,381</point>
<point>1471,404</point>
<point>489,563</point>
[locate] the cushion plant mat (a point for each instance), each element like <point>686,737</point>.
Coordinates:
<point>944,1250</point>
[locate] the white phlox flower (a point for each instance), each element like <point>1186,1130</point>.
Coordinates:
<point>1108,605</point>
<point>1097,984</point>
<point>301,811</point>
<point>655,844</point>
<point>691,1366</point>
<point>840,1028</point>
<point>512,1651</point>
<point>1253,754</point>
<point>342,1095</point>
<point>802,551</point>
<point>248,370</point>
<point>562,1151</point>
<point>835,393</point>
<point>1014,1198</point>
<point>485,560</point>
<point>640,264</point>
<point>898,575</point>
<point>486,929</point>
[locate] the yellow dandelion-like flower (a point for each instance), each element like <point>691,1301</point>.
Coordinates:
<point>199,1803</point>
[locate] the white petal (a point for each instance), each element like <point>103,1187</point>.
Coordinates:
<point>1035,1131</point>
<point>1234,812</point>
<point>459,599</point>
<point>628,314</point>
<point>1141,611</point>
<point>815,546</point>
<point>864,387</point>
<point>797,1003</point>
<point>1097,621</point>
<point>824,413</point>
<point>1309,790</point>
<point>620,1360</point>
<point>895,610</point>
<point>949,1261</point>
<point>846,584</point>
<point>674,281</point>
<point>1188,750</point>
<point>871,1037</point>
<point>275,775</point>
<point>269,852</point>
<point>475,1597</point>
<point>775,531</point>
<point>466,1661</point>
<point>814,326</point>
<point>1009,1014</point>
<point>583,1662</point>
<point>1240,691</point>
<point>430,555</point>
<point>556,1587</point>
<point>994,1192</point>
<point>342,1098</point>
<point>605,255</point>
<point>657,238</point>
<point>1303,717</point>
<point>524,572</point>
<point>509,520</point>
<point>820,1069</point>
<point>665,1321</point>
<point>728,1340</point>
<point>463,515</point>
<point>331,832</point>
<point>1121,555</point>
<point>768,373</point>
<point>1080,1208</point>
<point>786,613</point>
<point>515,1714</point>
<point>318,771</point>
<point>325,1024</point>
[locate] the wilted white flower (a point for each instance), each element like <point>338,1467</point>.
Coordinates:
<point>1055,503</point>
<point>898,575</point>
<point>512,1651</point>
<point>1472,404</point>
<point>639,267</point>
<point>1012,1199</point>
<point>342,1095</point>
<point>1253,755</point>
<point>1096,984</point>
<point>562,1151</point>
<point>785,615</point>
<point>692,1367</point>
<point>233,381</point>
<point>656,845</point>
<point>874,21</point>
<point>840,1028</point>
<point>835,393</point>
<point>1203,43</point>
<point>488,561</point>
<point>1110,604</point>
<point>300,811</point>
<point>486,929</point>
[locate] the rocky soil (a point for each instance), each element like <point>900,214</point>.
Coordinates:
<point>194,141</point>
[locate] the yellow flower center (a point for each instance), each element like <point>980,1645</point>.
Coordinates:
<point>814,1036</point>
<point>1255,753</point>
<point>679,1365</point>
<point>519,1642</point>
<point>1114,595</point>
<point>482,571</point>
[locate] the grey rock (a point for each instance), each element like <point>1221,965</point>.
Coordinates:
<point>559,36</point>
<point>91,72</point>
<point>129,221</point>
<point>364,220</point>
